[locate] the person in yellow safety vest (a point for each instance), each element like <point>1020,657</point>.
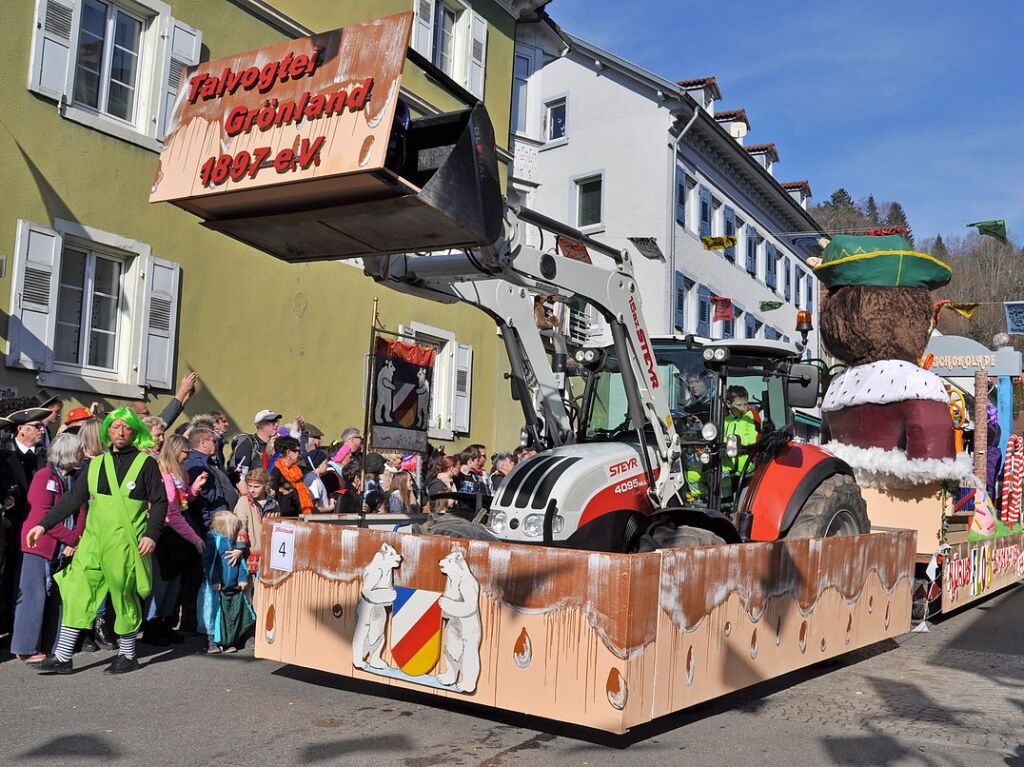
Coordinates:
<point>744,422</point>
<point>696,483</point>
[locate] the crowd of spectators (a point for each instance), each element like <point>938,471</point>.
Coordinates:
<point>205,495</point>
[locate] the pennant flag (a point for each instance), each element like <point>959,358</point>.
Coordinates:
<point>995,228</point>
<point>723,309</point>
<point>965,309</point>
<point>718,243</point>
<point>768,306</point>
<point>885,231</point>
<point>1015,318</point>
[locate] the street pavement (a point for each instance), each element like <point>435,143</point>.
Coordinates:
<point>953,696</point>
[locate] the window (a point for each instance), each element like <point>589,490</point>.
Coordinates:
<point>521,71</point>
<point>729,326</point>
<point>770,333</point>
<point>751,326</point>
<point>751,254</point>
<point>92,311</point>
<point>554,120</point>
<point>680,197</point>
<point>107,68</point>
<point>704,311</point>
<point>730,231</point>
<point>705,212</point>
<point>770,256</point>
<point>798,286</point>
<point>810,293</point>
<point>588,201</point>
<point>683,287</point>
<point>450,400</point>
<point>89,304</point>
<point>454,39</point>
<point>691,192</point>
<point>121,73</point>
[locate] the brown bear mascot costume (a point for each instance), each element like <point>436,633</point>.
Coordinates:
<point>885,415</point>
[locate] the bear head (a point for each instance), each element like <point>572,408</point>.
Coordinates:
<point>865,323</point>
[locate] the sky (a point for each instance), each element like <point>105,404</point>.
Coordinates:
<point>920,102</point>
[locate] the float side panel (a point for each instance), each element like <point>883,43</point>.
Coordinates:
<point>975,569</point>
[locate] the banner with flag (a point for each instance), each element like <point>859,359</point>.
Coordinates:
<point>400,394</point>
<point>718,243</point>
<point>995,228</point>
<point>723,309</point>
<point>768,306</point>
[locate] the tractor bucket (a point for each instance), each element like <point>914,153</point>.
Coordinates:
<point>304,150</point>
<point>606,641</point>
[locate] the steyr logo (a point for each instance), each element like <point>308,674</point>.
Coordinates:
<point>617,469</point>
<point>652,372</point>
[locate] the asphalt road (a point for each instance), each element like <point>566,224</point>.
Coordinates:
<point>954,696</point>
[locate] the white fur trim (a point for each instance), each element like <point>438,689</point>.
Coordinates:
<point>881,383</point>
<point>875,467</point>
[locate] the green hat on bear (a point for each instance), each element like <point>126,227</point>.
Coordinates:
<point>885,262</point>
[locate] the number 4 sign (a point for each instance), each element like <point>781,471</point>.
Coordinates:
<point>282,548</point>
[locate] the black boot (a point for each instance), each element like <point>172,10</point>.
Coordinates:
<point>103,633</point>
<point>122,665</point>
<point>53,665</point>
<point>155,634</point>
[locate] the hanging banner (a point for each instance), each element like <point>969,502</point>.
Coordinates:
<point>1015,318</point>
<point>723,309</point>
<point>403,375</point>
<point>723,242</point>
<point>769,306</point>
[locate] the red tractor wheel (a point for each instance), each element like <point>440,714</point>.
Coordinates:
<point>836,507</point>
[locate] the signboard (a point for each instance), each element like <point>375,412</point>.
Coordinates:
<point>311,109</point>
<point>402,378</point>
<point>976,568</point>
<point>956,356</point>
<point>1015,317</point>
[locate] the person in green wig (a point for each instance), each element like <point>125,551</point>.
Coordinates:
<point>126,507</point>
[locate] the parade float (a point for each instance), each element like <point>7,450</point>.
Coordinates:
<point>616,595</point>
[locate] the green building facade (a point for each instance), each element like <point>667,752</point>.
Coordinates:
<point>105,297</point>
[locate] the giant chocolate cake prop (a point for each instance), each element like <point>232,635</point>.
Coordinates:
<point>885,415</point>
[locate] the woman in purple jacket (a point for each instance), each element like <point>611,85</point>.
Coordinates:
<point>35,593</point>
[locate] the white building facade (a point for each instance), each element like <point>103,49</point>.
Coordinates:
<point>620,152</point>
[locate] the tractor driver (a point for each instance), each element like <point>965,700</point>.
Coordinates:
<point>700,389</point>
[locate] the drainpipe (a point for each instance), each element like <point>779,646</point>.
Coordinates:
<point>672,218</point>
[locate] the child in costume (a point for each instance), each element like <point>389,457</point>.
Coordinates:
<point>224,611</point>
<point>250,510</point>
<point>126,507</point>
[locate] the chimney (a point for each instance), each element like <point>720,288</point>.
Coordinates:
<point>766,156</point>
<point>799,191</point>
<point>735,123</point>
<point>704,91</point>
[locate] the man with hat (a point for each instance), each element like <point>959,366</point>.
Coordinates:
<point>126,505</point>
<point>249,451</point>
<point>884,414</point>
<point>20,458</point>
<point>77,418</point>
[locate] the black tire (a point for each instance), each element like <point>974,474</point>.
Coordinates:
<point>836,507</point>
<point>453,527</point>
<point>681,537</point>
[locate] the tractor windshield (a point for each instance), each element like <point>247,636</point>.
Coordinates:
<point>689,387</point>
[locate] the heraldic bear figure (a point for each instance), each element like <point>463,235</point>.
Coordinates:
<point>462,633</point>
<point>376,594</point>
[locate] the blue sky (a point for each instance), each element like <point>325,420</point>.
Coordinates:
<point>921,102</point>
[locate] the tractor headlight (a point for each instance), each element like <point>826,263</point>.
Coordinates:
<point>533,525</point>
<point>524,437</point>
<point>499,522</point>
<point>709,354</point>
<point>732,446</point>
<point>557,524</point>
<point>721,354</point>
<point>705,457</point>
<point>708,432</point>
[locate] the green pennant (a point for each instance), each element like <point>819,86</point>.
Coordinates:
<point>767,306</point>
<point>996,228</point>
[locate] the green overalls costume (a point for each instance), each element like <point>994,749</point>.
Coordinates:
<point>745,429</point>
<point>107,558</point>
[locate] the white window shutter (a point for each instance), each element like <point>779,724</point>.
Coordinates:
<point>423,33</point>
<point>34,300</point>
<point>462,388</point>
<point>159,322</point>
<point>477,55</point>
<point>184,44</point>
<point>52,47</point>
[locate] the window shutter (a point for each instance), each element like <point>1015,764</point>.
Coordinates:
<point>477,55</point>
<point>705,212</point>
<point>787,278</point>
<point>462,390</point>
<point>730,231</point>
<point>423,34</point>
<point>752,253</point>
<point>680,196</point>
<point>704,311</point>
<point>680,313</point>
<point>159,323</point>
<point>184,45</point>
<point>51,47</point>
<point>769,265</point>
<point>34,300</point>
